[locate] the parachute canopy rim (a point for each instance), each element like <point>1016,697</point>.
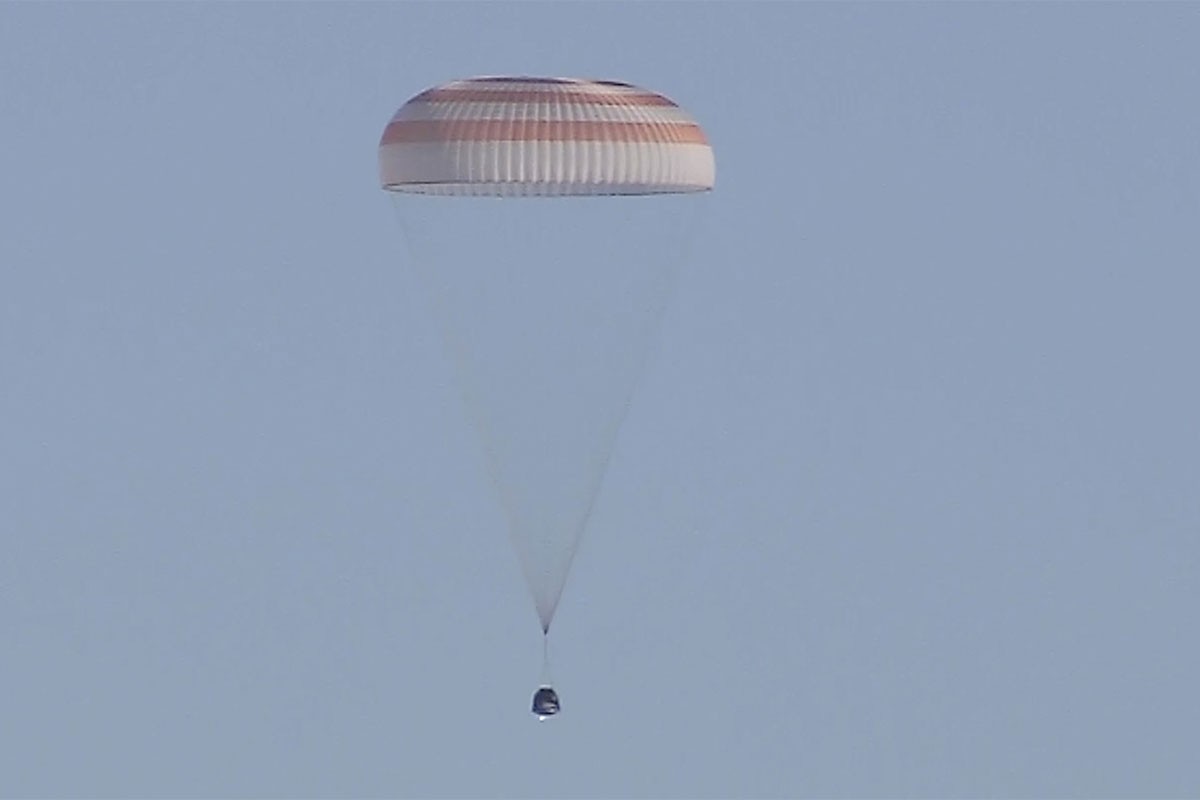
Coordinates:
<point>540,189</point>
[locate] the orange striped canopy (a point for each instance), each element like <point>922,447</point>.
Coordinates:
<point>513,136</point>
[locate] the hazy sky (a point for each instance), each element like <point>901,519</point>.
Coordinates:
<point>908,503</point>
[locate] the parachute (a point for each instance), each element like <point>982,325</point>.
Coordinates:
<point>538,216</point>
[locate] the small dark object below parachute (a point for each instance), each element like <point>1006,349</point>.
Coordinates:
<point>545,702</point>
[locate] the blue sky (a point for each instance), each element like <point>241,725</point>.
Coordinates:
<point>907,504</point>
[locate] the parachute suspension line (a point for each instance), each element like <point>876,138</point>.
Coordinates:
<point>460,355</point>
<point>546,679</point>
<point>658,313</point>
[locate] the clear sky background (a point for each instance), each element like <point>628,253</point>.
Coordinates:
<point>908,503</point>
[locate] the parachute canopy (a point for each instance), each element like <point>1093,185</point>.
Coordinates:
<point>524,136</point>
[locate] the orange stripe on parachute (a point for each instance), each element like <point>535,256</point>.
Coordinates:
<point>401,131</point>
